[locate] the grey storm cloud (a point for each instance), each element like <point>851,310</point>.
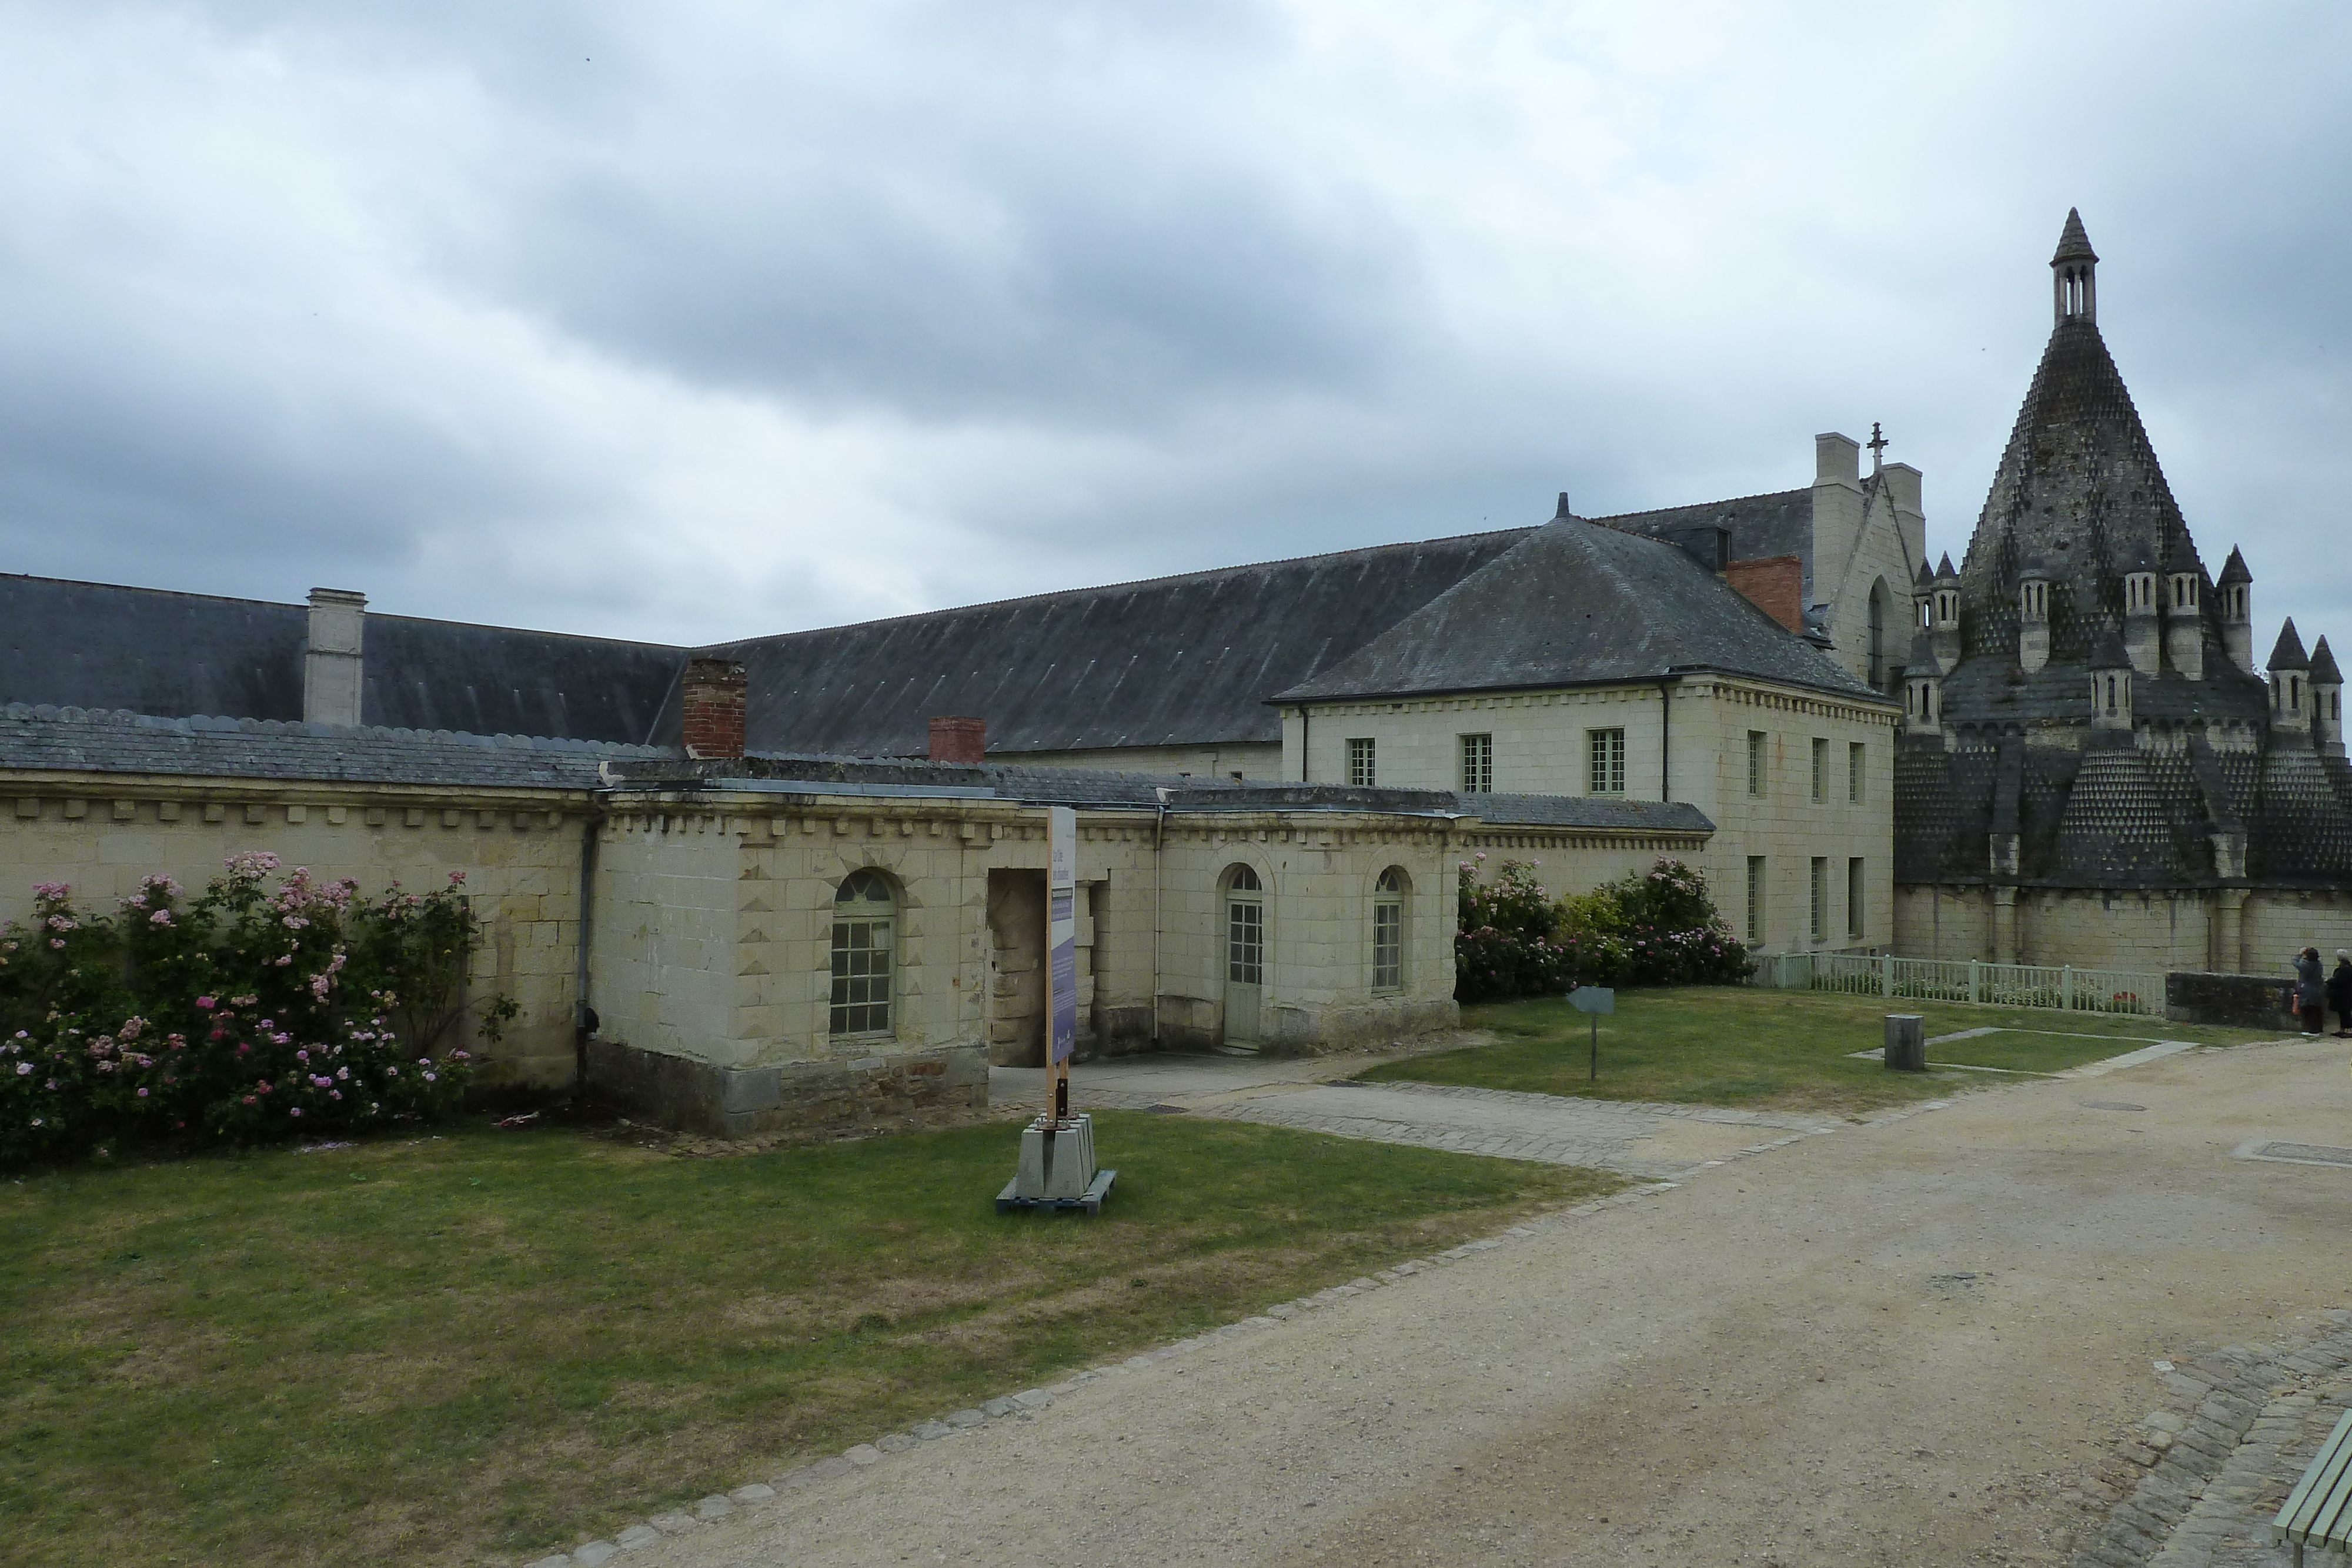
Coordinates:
<point>719,318</point>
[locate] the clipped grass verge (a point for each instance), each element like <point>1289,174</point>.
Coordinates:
<point>1741,1046</point>
<point>486,1346</point>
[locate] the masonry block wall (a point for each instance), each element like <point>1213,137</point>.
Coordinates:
<point>2224,930</point>
<point>519,851</point>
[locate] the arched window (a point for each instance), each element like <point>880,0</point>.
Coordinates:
<point>1877,650</point>
<point>1244,953</point>
<point>1388,929</point>
<point>865,950</point>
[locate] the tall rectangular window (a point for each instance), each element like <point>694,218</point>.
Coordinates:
<point>1821,896</point>
<point>1853,772</point>
<point>1855,901</point>
<point>1756,764</point>
<point>1755,901</point>
<point>1359,762</point>
<point>1477,764</point>
<point>1605,774</point>
<point>1821,771</point>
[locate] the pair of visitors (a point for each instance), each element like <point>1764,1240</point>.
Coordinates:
<point>2339,992</point>
<point>2310,991</point>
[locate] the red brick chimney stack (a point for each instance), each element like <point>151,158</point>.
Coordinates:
<point>959,740</point>
<point>1774,584</point>
<point>713,708</point>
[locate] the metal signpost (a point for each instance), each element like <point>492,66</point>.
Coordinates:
<point>1592,1001</point>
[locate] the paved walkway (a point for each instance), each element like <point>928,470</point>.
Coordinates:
<point>1312,1093</point>
<point>1918,1341</point>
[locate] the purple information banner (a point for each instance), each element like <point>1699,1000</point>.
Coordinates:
<point>1062,932</point>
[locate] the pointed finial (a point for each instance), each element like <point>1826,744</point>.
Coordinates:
<point>2074,244</point>
<point>1877,444</point>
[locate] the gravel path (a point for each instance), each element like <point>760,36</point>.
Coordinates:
<point>1918,1341</point>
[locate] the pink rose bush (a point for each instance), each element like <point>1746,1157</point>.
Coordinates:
<point>265,1006</point>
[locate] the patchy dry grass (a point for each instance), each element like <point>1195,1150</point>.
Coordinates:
<point>1736,1045</point>
<point>483,1346</point>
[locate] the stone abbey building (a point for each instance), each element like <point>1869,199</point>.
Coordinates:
<point>2064,751</point>
<point>2095,766</point>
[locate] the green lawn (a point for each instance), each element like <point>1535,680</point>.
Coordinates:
<point>1736,1045</point>
<point>490,1345</point>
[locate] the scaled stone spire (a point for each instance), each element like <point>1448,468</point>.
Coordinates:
<point>2287,653</point>
<point>2074,244</point>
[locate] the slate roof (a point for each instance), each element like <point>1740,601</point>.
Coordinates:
<point>2073,244</point>
<point>45,738</point>
<point>97,645</point>
<point>1779,523</point>
<point>1575,603</point>
<point>1172,661</point>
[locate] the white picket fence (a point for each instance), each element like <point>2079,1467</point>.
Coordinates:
<point>1968,980</point>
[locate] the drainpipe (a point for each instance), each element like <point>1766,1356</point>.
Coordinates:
<point>1665,738</point>
<point>1306,767</point>
<point>1158,838</point>
<point>583,1017</point>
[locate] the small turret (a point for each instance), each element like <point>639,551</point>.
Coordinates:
<point>2236,587</point>
<point>1923,598</point>
<point>2075,292</point>
<point>2184,621</point>
<point>2290,669</point>
<point>1946,604</point>
<point>2143,638</point>
<point>1923,688</point>
<point>2111,682</point>
<point>2326,700</point>
<point>2033,617</point>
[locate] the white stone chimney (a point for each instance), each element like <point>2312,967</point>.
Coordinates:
<point>330,668</point>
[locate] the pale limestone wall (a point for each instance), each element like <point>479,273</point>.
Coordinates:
<point>1785,825</point>
<point>519,851</point>
<point>1882,554</point>
<point>1542,745</point>
<point>714,920</point>
<point>1572,863</point>
<point>2278,925</point>
<point>1228,760</point>
<point>2158,930</point>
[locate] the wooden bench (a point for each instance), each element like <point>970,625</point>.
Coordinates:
<point>2318,1512</point>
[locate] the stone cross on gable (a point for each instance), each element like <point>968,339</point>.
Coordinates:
<point>1877,444</point>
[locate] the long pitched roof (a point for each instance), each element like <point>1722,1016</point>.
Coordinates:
<point>102,646</point>
<point>1172,661</point>
<point>1574,603</point>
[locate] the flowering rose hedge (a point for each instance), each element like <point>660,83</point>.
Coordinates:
<point>1654,928</point>
<point>253,1011</point>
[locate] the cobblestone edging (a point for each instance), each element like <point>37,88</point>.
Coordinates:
<point>1023,1405</point>
<point>2197,1484</point>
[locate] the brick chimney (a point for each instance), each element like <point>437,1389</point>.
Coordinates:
<point>1774,584</point>
<point>959,740</point>
<point>331,664</point>
<point>713,708</point>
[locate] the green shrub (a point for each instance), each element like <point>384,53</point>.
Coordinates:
<point>250,1013</point>
<point>1652,928</point>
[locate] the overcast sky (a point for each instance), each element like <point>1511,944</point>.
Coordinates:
<point>702,319</point>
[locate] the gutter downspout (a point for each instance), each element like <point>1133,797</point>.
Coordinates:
<point>1306,768</point>
<point>1158,838</point>
<point>1666,737</point>
<point>583,1017</point>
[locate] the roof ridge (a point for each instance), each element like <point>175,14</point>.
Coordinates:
<point>1614,519</point>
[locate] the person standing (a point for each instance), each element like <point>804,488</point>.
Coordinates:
<point>2339,992</point>
<point>2310,991</point>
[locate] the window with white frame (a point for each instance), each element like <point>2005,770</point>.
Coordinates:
<point>864,914</point>
<point>1388,930</point>
<point>1755,901</point>
<point>1605,768</point>
<point>1821,771</point>
<point>1756,764</point>
<point>1360,772</point>
<point>1477,764</point>
<point>1853,767</point>
<point>1819,924</point>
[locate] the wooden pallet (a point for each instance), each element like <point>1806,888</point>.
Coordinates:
<point>1091,1200</point>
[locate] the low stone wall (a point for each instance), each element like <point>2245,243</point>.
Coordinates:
<point>2237,1001</point>
<point>732,1103</point>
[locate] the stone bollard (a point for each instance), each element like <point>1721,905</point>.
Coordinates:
<point>1906,1043</point>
